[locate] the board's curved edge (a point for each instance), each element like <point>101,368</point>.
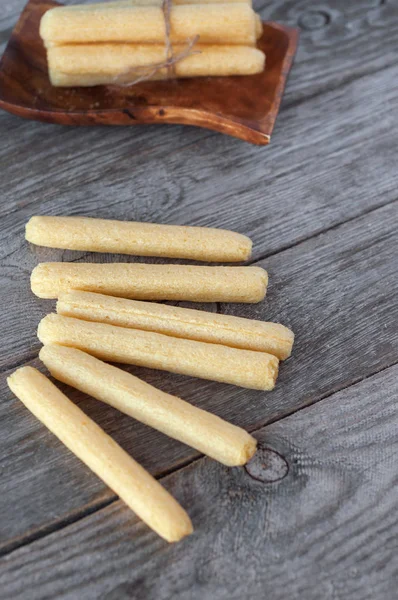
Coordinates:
<point>153,115</point>
<point>293,36</point>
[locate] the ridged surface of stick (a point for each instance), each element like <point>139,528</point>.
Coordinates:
<point>179,322</point>
<point>233,23</point>
<point>124,3</point>
<point>114,64</point>
<point>135,486</point>
<point>140,239</point>
<point>244,368</point>
<point>201,430</point>
<point>152,282</point>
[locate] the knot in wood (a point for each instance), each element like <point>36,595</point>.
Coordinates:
<point>267,466</point>
<point>314,19</point>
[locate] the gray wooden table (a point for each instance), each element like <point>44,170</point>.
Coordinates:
<point>315,515</point>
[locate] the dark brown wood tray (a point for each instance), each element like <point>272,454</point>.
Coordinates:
<point>244,107</point>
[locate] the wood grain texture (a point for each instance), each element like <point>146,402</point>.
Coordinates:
<point>327,529</point>
<point>317,175</point>
<point>244,107</point>
<point>336,32</point>
<point>330,531</point>
<point>336,291</point>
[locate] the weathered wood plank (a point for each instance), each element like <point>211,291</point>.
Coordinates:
<point>42,485</point>
<point>322,171</point>
<point>326,529</point>
<point>329,162</point>
<point>337,291</point>
<point>345,39</point>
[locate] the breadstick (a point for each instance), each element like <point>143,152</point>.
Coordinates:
<point>137,488</point>
<point>179,322</point>
<point>123,3</point>
<point>245,368</point>
<point>140,239</point>
<point>233,23</point>
<point>207,433</point>
<point>82,65</point>
<point>259,27</point>
<point>152,282</point>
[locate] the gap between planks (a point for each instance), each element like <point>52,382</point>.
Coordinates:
<point>349,382</point>
<point>335,226</point>
<point>84,512</point>
<point>66,522</point>
<point>319,233</point>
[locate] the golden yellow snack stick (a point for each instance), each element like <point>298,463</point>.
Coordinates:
<point>140,239</point>
<point>233,23</point>
<point>245,368</point>
<point>209,434</point>
<point>123,3</point>
<point>152,282</point>
<point>187,323</point>
<point>259,27</point>
<point>137,488</point>
<point>82,65</point>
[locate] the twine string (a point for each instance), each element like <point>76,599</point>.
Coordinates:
<point>145,73</point>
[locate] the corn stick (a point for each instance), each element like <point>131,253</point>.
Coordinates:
<point>152,282</point>
<point>140,239</point>
<point>83,65</point>
<point>259,27</point>
<point>245,368</point>
<point>124,3</point>
<point>207,433</point>
<point>137,488</point>
<point>179,322</point>
<point>233,23</point>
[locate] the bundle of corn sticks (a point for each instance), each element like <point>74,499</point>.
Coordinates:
<point>105,312</point>
<point>115,42</point>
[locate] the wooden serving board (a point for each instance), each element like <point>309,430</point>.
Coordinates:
<point>245,107</point>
